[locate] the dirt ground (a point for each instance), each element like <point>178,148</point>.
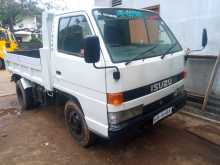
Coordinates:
<point>40,137</point>
<point>6,87</point>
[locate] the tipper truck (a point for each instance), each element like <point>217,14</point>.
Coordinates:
<point>113,68</point>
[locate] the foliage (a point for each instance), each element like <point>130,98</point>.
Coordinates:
<point>34,39</point>
<point>12,11</point>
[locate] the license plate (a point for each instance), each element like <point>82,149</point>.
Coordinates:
<point>162,115</point>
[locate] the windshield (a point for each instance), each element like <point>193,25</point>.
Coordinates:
<point>129,34</point>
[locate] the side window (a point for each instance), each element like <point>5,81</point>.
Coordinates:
<point>72,32</point>
<point>63,24</point>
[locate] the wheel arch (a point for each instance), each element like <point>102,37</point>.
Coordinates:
<point>15,77</point>
<point>69,97</point>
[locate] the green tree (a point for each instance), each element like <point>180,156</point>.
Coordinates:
<point>13,11</point>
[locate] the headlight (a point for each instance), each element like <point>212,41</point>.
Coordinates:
<point>179,91</point>
<point>118,117</point>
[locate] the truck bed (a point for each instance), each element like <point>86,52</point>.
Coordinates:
<point>26,64</point>
<point>29,53</point>
<point>35,64</point>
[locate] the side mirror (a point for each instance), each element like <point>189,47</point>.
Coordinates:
<point>204,38</point>
<point>92,49</point>
<point>204,43</point>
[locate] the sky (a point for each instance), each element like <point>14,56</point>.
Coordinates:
<point>69,4</point>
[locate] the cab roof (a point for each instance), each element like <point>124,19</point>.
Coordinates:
<point>89,9</point>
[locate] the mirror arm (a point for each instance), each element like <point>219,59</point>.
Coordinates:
<point>116,74</point>
<point>190,51</point>
<point>198,50</point>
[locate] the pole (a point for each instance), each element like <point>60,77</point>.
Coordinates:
<point>210,84</point>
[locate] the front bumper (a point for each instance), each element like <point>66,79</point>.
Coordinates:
<point>149,112</point>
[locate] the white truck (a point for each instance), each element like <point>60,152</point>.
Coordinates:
<point>114,68</point>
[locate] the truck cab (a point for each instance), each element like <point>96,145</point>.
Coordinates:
<point>7,42</point>
<point>116,68</point>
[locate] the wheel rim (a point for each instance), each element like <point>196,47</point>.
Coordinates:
<point>75,124</point>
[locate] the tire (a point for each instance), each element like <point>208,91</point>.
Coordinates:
<point>24,96</point>
<point>2,64</point>
<point>76,124</point>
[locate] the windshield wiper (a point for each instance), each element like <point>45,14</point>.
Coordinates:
<point>168,50</point>
<point>141,54</point>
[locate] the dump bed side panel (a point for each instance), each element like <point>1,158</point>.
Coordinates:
<point>29,53</point>
<point>25,66</point>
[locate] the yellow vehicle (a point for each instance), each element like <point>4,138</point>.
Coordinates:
<point>7,42</point>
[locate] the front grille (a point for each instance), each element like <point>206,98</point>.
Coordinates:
<point>160,103</point>
<point>146,90</point>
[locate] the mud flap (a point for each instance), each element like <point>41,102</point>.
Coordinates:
<point>25,83</point>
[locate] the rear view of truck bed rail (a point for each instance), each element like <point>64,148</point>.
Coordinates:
<point>28,53</point>
<point>26,64</point>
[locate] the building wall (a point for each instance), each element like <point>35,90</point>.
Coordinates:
<point>27,22</point>
<point>198,75</point>
<point>187,18</point>
<point>23,35</point>
<point>106,3</point>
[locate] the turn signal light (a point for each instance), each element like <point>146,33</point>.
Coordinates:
<point>184,75</point>
<point>115,99</point>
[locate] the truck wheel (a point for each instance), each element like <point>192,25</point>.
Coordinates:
<point>25,97</point>
<point>2,64</point>
<point>76,124</point>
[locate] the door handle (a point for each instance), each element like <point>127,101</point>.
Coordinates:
<point>58,72</point>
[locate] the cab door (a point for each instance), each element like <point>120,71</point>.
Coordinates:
<point>72,75</point>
